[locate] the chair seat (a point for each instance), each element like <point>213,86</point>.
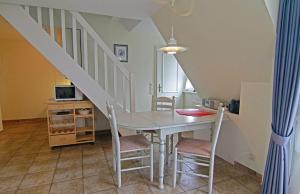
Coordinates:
<point>133,142</point>
<point>194,146</point>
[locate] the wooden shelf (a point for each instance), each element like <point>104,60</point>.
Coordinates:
<point>84,116</point>
<point>84,129</point>
<point>62,132</point>
<point>62,115</point>
<point>62,125</point>
<point>64,129</point>
<point>81,138</point>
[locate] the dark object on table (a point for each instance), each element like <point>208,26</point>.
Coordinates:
<point>234,106</point>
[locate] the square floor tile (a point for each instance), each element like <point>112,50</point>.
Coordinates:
<point>72,186</point>
<point>69,162</point>
<point>109,191</point>
<point>14,170</point>
<point>135,188</point>
<point>43,165</point>
<point>47,156</point>
<point>97,183</point>
<point>96,168</point>
<point>22,159</point>
<point>10,183</point>
<point>35,179</point>
<point>42,189</point>
<point>250,183</point>
<point>231,187</point>
<point>62,174</point>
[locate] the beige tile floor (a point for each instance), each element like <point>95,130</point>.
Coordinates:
<point>28,165</point>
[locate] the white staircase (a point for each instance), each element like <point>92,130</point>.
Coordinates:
<point>92,67</point>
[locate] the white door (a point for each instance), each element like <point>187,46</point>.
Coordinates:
<point>167,75</point>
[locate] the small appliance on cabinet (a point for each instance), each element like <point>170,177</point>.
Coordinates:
<point>211,103</point>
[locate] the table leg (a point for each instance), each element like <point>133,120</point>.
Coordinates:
<point>161,160</point>
<point>167,148</point>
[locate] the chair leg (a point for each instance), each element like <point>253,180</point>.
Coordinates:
<point>119,177</point>
<point>180,163</point>
<point>211,176</point>
<point>151,163</point>
<point>114,157</point>
<point>174,167</point>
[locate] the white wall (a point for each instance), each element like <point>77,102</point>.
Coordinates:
<point>272,6</point>
<point>244,138</point>
<point>141,42</point>
<point>229,42</point>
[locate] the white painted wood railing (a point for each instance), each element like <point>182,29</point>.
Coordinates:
<point>113,77</point>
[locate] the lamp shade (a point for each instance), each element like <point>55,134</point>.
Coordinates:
<point>172,47</point>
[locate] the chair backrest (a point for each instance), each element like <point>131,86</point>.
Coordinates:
<point>113,126</point>
<point>163,103</point>
<point>216,129</point>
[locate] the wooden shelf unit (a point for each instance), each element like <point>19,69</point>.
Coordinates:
<point>67,126</point>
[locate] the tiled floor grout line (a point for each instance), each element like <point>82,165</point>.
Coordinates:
<point>82,179</point>
<point>28,168</point>
<point>54,170</point>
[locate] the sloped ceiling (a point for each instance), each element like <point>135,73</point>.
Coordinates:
<point>229,42</point>
<point>134,9</point>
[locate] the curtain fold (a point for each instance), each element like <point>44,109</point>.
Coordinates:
<point>294,186</point>
<point>286,85</point>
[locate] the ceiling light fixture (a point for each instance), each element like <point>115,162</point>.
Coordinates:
<point>172,47</point>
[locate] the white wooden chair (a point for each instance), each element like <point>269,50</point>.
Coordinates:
<point>163,104</point>
<point>126,144</point>
<point>201,151</point>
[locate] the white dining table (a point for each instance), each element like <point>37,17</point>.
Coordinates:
<point>164,123</point>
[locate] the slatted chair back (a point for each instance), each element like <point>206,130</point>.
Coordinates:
<point>216,129</point>
<point>163,103</point>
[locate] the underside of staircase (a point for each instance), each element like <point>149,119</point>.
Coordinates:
<point>107,80</point>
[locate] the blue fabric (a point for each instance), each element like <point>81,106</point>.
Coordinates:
<point>285,97</point>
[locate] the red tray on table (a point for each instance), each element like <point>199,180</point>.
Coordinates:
<point>194,112</point>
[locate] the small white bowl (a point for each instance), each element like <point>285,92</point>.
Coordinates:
<point>84,111</point>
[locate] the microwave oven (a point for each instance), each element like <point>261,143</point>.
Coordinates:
<point>67,92</point>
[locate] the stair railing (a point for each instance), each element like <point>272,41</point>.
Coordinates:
<point>122,81</point>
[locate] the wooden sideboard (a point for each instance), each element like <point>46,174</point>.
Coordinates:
<point>67,124</point>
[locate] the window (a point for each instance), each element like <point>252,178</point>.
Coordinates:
<point>189,86</point>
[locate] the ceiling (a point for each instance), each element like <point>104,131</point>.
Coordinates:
<point>134,9</point>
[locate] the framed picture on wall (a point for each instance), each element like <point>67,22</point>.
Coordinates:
<point>121,52</point>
